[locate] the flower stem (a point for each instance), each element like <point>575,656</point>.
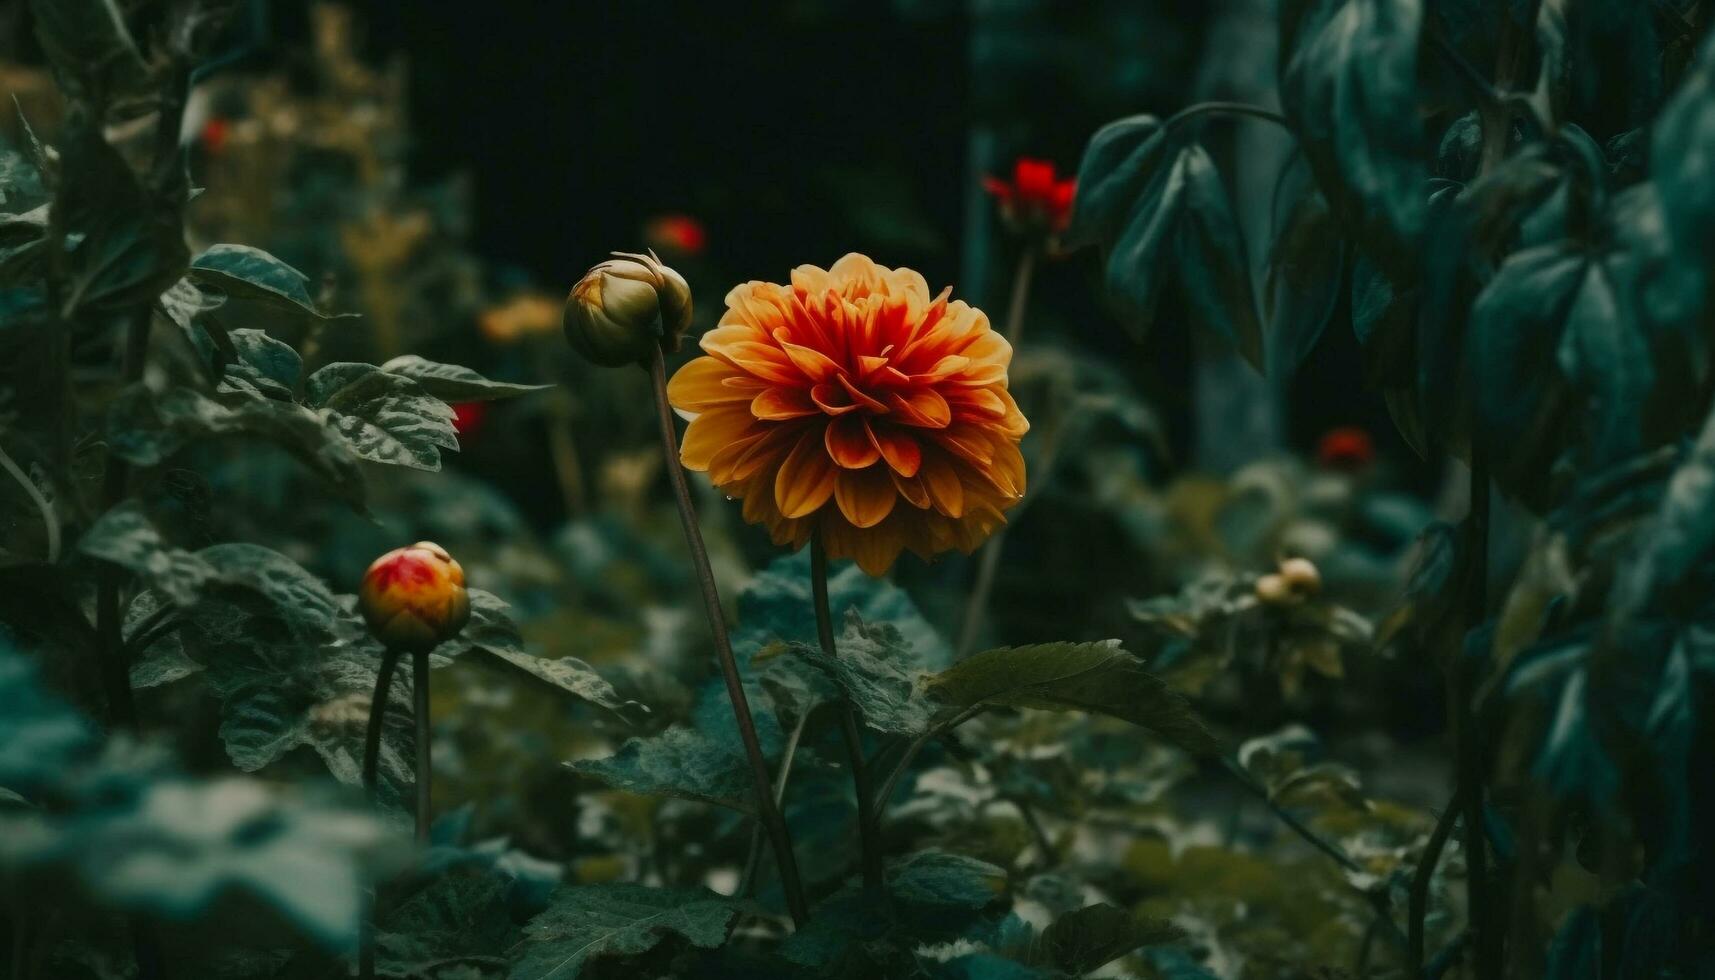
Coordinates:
<point>371,768</point>
<point>766,810</point>
<point>425,772</point>
<point>1418,907</point>
<point>988,563</point>
<point>50,522</point>
<point>115,672</point>
<point>869,828</point>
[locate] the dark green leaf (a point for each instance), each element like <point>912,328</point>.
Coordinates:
<point>1092,937</point>
<point>384,418</point>
<point>1348,83</point>
<point>1177,225</point>
<point>1100,678</point>
<point>125,537</point>
<point>1306,279</point>
<point>452,383</point>
<point>680,762</point>
<point>264,367</point>
<point>875,670</point>
<point>146,428</point>
<point>776,606</point>
<point>937,879</point>
<point>491,632</point>
<point>611,921</point>
<point>247,273</point>
<point>89,46</point>
<point>123,245</point>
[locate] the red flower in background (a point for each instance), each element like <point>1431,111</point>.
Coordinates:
<point>1345,448</point>
<point>214,134</point>
<point>1035,199</point>
<point>678,233</point>
<point>468,417</point>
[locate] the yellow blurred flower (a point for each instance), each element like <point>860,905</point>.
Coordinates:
<point>520,316</point>
<point>853,402</point>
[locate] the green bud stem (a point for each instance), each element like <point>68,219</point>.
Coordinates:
<point>425,772</point>
<point>767,812</point>
<point>869,827</point>
<point>371,767</point>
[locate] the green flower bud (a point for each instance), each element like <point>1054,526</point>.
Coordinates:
<point>623,306</point>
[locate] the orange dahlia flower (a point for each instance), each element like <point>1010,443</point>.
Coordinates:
<point>853,403</point>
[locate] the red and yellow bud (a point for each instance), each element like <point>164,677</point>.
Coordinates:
<point>413,598</point>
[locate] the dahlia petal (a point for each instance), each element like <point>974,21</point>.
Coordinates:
<point>946,490</point>
<point>711,432</point>
<point>944,368</point>
<point>901,450</point>
<point>966,442</point>
<point>849,444</point>
<point>724,465</point>
<point>978,401</point>
<point>763,360</point>
<point>859,396</point>
<point>810,280</point>
<point>781,403</point>
<point>806,479</point>
<point>813,364</point>
<point>922,407</point>
<point>865,497</point>
<point>833,399</point>
<point>769,449</point>
<point>912,489</point>
<point>1006,470</point>
<point>700,385</point>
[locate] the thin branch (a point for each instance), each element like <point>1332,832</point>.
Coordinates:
<point>49,520</point>
<point>753,856</point>
<point>1225,109</point>
<point>869,837</point>
<point>763,787</point>
<point>911,749</point>
<point>1418,907</point>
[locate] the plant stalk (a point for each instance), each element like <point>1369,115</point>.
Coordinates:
<point>766,810</point>
<point>115,480</point>
<point>425,771</point>
<point>1418,903</point>
<point>869,829</point>
<point>1485,934</point>
<point>371,770</point>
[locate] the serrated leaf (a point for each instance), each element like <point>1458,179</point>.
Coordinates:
<point>1348,84</point>
<point>942,880</point>
<point>453,383</point>
<point>125,537</point>
<point>1100,678</point>
<point>681,762</point>
<point>146,428</point>
<point>244,272</point>
<point>875,669</point>
<point>1092,937</point>
<point>262,366</point>
<point>775,606</point>
<point>384,418</point>
<point>613,921</point>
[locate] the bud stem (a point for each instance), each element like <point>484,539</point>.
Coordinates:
<point>371,766</point>
<point>767,812</point>
<point>425,772</point>
<point>869,826</point>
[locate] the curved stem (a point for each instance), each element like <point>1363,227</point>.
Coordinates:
<point>753,855</point>
<point>377,715</point>
<point>1378,900</point>
<point>425,771</point>
<point>879,804</point>
<point>1418,907</point>
<point>1225,109</point>
<point>49,521</point>
<point>767,812</point>
<point>371,768</point>
<point>869,837</point>
<point>115,672</point>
